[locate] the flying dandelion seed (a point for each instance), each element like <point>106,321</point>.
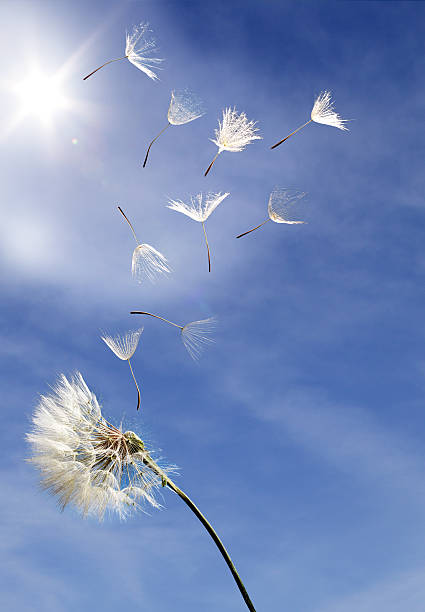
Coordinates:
<point>196,335</point>
<point>280,202</point>
<point>146,262</point>
<point>199,209</point>
<point>124,348</point>
<point>138,50</point>
<point>322,112</point>
<point>184,107</point>
<point>234,133</point>
<point>87,462</point>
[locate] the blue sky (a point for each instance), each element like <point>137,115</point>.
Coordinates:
<point>300,433</point>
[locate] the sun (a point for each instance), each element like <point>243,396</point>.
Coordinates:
<point>40,96</point>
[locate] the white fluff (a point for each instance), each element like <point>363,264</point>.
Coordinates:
<point>200,206</point>
<point>149,263</point>
<point>234,132</point>
<point>124,346</point>
<point>185,106</point>
<point>323,112</point>
<point>86,461</point>
<point>196,336</point>
<point>138,49</point>
<point>280,202</point>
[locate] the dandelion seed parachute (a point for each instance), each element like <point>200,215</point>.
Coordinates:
<point>279,205</point>
<point>199,209</point>
<point>196,335</point>
<point>138,49</point>
<point>322,112</point>
<point>87,462</point>
<point>124,348</point>
<point>234,133</point>
<point>146,261</point>
<point>185,106</point>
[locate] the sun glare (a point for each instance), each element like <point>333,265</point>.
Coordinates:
<point>40,96</point>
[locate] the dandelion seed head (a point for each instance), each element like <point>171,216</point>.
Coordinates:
<point>280,203</point>
<point>87,462</point>
<point>138,49</point>
<point>200,206</point>
<point>185,106</point>
<point>234,131</point>
<point>149,263</point>
<point>196,336</point>
<point>124,346</point>
<point>323,111</point>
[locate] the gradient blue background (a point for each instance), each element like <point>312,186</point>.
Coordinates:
<point>301,433</point>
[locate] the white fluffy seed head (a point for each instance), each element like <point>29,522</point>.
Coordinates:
<point>235,131</point>
<point>149,263</point>
<point>87,462</point>
<point>280,204</point>
<point>138,49</point>
<point>184,106</point>
<point>200,206</point>
<point>323,112</point>
<point>124,346</point>
<point>196,336</point>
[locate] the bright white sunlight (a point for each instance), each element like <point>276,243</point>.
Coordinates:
<point>40,96</point>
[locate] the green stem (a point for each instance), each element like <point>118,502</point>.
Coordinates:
<point>216,540</point>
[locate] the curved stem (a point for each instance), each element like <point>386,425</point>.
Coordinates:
<point>156,317</point>
<point>105,64</point>
<point>208,248</point>
<point>149,147</point>
<point>210,166</point>
<point>251,230</point>
<point>216,540</point>
<point>137,386</point>
<point>131,227</point>
<point>291,134</point>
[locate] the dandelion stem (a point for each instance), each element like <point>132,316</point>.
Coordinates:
<point>105,64</point>
<point>216,540</point>
<point>147,460</point>
<point>210,166</point>
<point>149,147</point>
<point>126,218</point>
<point>291,134</point>
<point>251,230</point>
<point>137,386</point>
<point>208,248</point>
<point>156,317</point>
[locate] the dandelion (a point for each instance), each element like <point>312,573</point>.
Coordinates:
<point>87,462</point>
<point>280,201</point>
<point>124,348</point>
<point>322,112</point>
<point>146,261</point>
<point>185,107</point>
<point>199,209</point>
<point>234,133</point>
<point>138,50</point>
<point>196,335</point>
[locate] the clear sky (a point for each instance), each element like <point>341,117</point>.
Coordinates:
<point>301,432</point>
